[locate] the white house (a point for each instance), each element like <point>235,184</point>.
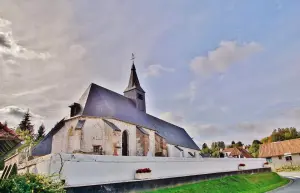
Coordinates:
<point>281,153</point>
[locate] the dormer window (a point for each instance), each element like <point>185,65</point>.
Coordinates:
<point>75,109</point>
<point>140,96</point>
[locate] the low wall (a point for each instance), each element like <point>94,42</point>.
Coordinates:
<point>83,170</point>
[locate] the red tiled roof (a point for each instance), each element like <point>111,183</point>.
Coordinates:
<point>5,132</point>
<point>279,148</point>
<point>236,151</point>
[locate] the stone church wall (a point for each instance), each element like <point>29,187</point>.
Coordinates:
<point>96,132</point>
<point>142,143</point>
<point>61,140</point>
<point>160,146</point>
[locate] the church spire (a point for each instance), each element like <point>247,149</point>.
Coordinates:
<point>134,82</point>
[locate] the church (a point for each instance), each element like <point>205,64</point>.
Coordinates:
<point>104,122</point>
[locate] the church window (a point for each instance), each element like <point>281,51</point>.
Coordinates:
<point>140,96</point>
<point>96,148</point>
<point>80,124</point>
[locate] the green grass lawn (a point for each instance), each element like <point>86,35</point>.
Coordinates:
<point>247,183</point>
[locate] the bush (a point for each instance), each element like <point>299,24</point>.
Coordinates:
<point>30,183</point>
<point>288,168</point>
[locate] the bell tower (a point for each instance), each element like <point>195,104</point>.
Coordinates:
<point>134,90</point>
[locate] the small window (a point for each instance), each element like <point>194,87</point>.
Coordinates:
<point>96,149</point>
<point>288,158</point>
<point>279,157</point>
<point>140,96</point>
<point>269,159</point>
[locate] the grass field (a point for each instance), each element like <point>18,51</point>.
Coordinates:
<point>247,183</point>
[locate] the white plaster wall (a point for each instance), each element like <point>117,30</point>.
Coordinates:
<point>60,141</point>
<point>131,129</point>
<point>96,132</point>
<point>79,169</point>
<point>277,163</point>
<point>151,141</point>
<point>174,152</point>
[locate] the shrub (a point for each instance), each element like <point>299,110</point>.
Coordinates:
<point>288,168</point>
<point>28,183</point>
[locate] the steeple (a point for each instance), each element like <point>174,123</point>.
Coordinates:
<point>134,90</point>
<point>134,82</point>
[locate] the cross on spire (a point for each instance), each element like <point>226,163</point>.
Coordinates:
<point>134,82</point>
<point>132,58</point>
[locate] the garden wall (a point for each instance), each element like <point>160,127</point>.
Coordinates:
<point>84,170</point>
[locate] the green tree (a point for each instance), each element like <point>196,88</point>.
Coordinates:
<point>215,154</point>
<point>41,132</point>
<point>239,144</point>
<point>266,140</point>
<point>25,124</point>
<point>256,142</point>
<point>205,149</point>
<point>254,148</point>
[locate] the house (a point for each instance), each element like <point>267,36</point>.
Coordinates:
<point>281,153</point>
<point>106,123</point>
<point>235,152</point>
<point>8,140</point>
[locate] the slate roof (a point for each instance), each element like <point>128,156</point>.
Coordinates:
<point>45,146</point>
<point>279,148</point>
<point>102,102</point>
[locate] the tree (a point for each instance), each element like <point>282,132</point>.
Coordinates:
<point>256,142</point>
<point>232,143</point>
<point>254,148</point>
<point>222,145</point>
<point>25,124</point>
<point>205,149</point>
<point>266,140</point>
<point>239,144</point>
<point>41,132</point>
<point>5,124</point>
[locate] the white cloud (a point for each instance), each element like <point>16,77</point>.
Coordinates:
<point>228,53</point>
<point>157,70</point>
<point>10,48</point>
<point>35,91</point>
<point>190,93</point>
<point>17,111</point>
<point>171,117</point>
<point>84,46</point>
<point>13,115</point>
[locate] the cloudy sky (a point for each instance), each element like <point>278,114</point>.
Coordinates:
<point>224,70</point>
